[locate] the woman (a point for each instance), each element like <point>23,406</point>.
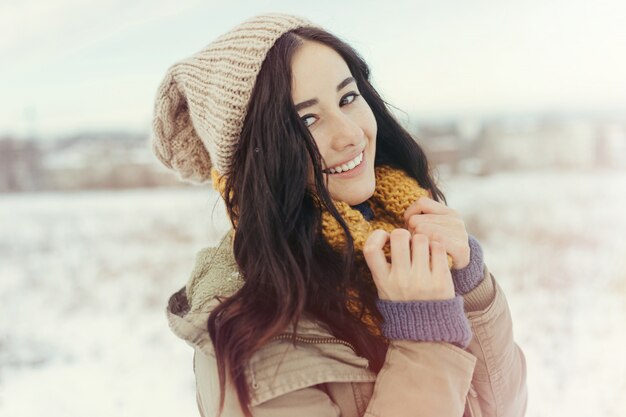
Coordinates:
<point>332,295</point>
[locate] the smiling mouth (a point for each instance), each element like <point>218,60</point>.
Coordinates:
<point>348,166</point>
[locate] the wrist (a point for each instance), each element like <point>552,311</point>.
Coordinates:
<point>427,321</point>
<point>470,276</point>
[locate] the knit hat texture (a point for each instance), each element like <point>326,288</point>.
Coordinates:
<point>201,103</point>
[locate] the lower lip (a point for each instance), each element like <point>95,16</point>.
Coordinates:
<point>353,172</point>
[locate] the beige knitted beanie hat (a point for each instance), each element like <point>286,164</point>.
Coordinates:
<point>202,101</point>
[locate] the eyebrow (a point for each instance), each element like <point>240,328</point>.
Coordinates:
<point>314,101</point>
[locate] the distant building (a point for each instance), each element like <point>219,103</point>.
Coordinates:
<point>20,165</point>
<point>522,143</point>
<point>569,144</point>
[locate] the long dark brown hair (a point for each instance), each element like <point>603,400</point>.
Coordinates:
<point>288,268</point>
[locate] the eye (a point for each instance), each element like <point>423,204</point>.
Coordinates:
<point>349,98</point>
<point>308,120</point>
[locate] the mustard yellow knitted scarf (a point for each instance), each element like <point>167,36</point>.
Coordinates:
<point>395,191</point>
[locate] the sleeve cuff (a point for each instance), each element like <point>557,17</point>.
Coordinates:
<point>426,321</point>
<point>482,296</point>
<point>468,278</point>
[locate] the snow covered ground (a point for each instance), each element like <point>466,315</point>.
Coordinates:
<point>84,279</point>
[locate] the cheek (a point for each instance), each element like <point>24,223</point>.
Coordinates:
<point>323,145</point>
<point>367,121</point>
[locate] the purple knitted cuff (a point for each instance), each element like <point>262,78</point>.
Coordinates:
<point>468,278</point>
<point>426,321</point>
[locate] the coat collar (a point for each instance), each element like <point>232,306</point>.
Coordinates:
<point>215,274</point>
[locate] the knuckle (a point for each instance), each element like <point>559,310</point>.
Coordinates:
<point>407,214</point>
<point>369,248</point>
<point>375,236</point>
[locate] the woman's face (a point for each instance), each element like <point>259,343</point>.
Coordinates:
<point>341,122</point>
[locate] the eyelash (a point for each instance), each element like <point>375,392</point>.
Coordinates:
<point>350,94</point>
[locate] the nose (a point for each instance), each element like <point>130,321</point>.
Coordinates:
<point>345,131</point>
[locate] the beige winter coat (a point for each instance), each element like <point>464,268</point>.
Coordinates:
<point>322,376</point>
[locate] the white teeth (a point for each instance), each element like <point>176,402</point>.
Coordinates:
<point>347,166</point>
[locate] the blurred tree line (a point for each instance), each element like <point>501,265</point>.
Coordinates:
<point>85,161</point>
<point>115,160</point>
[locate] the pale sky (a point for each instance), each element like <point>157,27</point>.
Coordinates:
<point>75,65</point>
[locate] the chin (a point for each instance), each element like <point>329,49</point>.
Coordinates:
<point>354,192</point>
<point>355,197</point>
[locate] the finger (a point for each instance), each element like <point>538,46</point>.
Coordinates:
<point>375,255</point>
<point>446,220</point>
<point>439,234</point>
<point>420,260</point>
<point>400,249</point>
<point>433,231</point>
<point>440,269</point>
<point>439,258</point>
<point>425,205</point>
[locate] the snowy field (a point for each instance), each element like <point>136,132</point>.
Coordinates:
<point>84,279</point>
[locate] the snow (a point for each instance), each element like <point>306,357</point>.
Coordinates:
<point>84,279</point>
<point>556,243</point>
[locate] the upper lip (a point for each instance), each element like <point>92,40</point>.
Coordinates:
<point>347,160</point>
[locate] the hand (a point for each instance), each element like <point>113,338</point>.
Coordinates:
<point>441,224</point>
<point>418,269</point>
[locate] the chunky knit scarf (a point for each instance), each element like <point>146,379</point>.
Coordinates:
<point>395,191</point>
